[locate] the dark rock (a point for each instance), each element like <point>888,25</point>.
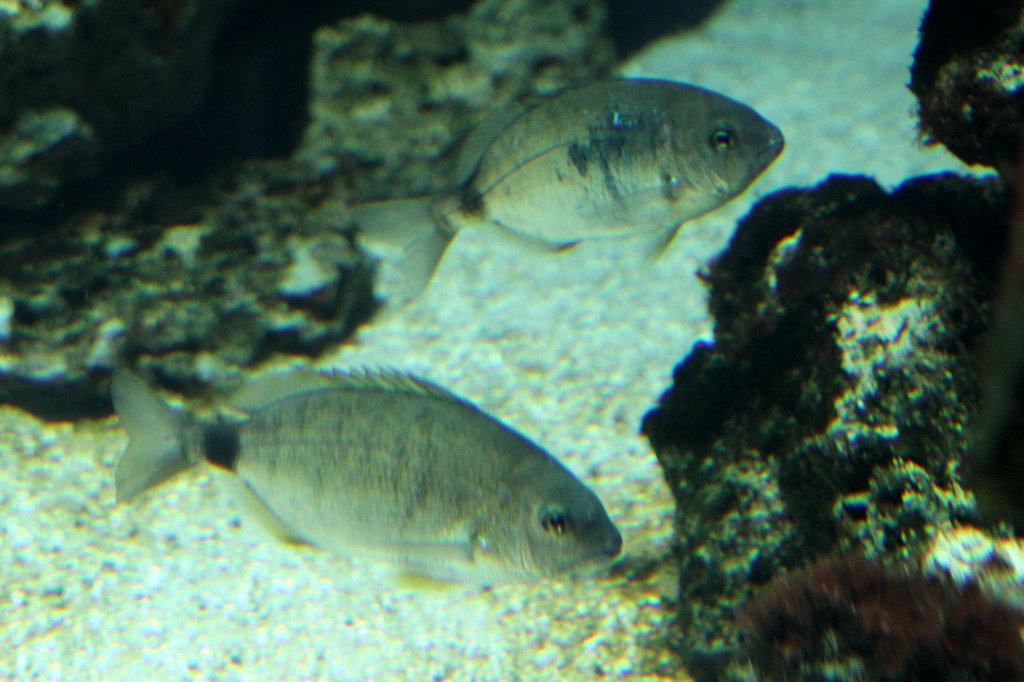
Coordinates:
<point>631,24</point>
<point>116,72</point>
<point>226,79</point>
<point>196,303</point>
<point>968,76</point>
<point>830,412</point>
<point>997,452</point>
<point>195,268</point>
<point>390,102</point>
<point>42,151</point>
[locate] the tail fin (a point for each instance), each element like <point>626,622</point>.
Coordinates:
<point>156,437</point>
<point>410,227</point>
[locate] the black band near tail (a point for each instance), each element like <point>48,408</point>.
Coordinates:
<point>220,445</point>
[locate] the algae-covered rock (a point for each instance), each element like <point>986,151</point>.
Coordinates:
<point>830,413</point>
<point>195,303</point>
<point>389,101</point>
<point>81,80</point>
<point>968,76</point>
<point>121,73</point>
<point>40,152</point>
<point>175,258</point>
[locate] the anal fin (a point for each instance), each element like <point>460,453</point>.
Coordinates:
<point>253,508</point>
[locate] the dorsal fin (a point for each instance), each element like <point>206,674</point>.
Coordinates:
<point>271,388</point>
<point>480,138</point>
<point>490,127</point>
<point>389,378</point>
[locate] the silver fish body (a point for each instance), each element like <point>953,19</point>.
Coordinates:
<point>613,158</point>
<point>385,466</point>
<point>620,157</point>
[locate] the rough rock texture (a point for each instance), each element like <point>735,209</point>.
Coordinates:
<point>376,82</point>
<point>172,257</point>
<point>194,302</point>
<point>830,411</point>
<point>968,75</point>
<point>85,80</point>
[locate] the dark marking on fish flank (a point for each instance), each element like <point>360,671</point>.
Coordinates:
<point>220,445</point>
<point>621,134</point>
<point>579,156</point>
<point>602,149</point>
<point>606,167</point>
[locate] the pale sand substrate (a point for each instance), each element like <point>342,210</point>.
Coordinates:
<point>571,350</point>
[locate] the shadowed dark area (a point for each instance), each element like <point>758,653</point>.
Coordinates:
<point>256,100</point>
<point>255,104</point>
<point>632,24</point>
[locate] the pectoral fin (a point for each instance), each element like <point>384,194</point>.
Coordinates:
<point>531,243</point>
<point>409,231</point>
<point>658,245</point>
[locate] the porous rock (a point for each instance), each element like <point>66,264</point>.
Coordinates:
<point>90,79</point>
<point>194,303</point>
<point>968,76</point>
<point>830,411</point>
<point>184,253</point>
<point>390,102</point>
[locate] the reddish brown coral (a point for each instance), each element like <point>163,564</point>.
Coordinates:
<point>858,617</point>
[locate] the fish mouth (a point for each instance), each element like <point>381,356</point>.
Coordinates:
<point>613,547</point>
<point>590,562</point>
<point>776,143</point>
<point>595,563</point>
<point>606,552</point>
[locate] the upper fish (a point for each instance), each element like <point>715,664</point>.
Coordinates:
<point>378,464</point>
<point>613,158</point>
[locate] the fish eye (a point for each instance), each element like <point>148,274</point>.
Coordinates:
<point>722,139</point>
<point>554,522</point>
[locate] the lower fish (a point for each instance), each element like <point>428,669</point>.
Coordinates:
<point>614,158</point>
<point>378,464</point>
